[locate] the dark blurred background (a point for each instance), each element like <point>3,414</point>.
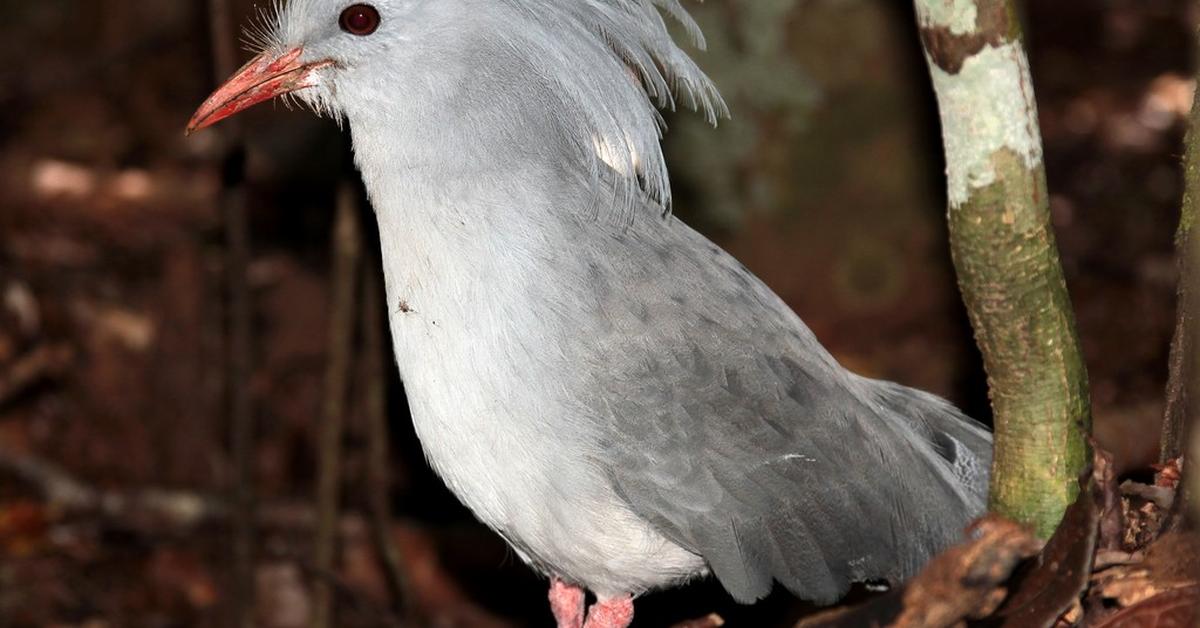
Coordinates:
<point>827,183</point>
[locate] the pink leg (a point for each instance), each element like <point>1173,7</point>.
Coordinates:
<point>616,612</point>
<point>566,602</point>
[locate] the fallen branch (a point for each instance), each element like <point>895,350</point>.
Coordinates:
<point>1095,565</point>
<point>963,582</point>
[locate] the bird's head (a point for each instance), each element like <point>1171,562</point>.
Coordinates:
<point>306,48</point>
<point>580,75</point>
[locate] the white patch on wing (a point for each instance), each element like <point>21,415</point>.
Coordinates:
<point>626,162</point>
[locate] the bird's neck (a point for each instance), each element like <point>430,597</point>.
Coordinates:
<point>457,219</point>
<point>439,182</point>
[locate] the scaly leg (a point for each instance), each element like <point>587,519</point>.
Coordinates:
<point>566,602</point>
<point>616,612</point>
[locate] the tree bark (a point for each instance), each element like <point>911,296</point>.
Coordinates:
<point>1182,394</point>
<point>1006,257</point>
<point>1183,383</point>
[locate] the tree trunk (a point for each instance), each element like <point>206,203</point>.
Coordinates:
<point>1006,257</point>
<point>1183,383</point>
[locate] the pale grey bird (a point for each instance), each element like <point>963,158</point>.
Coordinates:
<point>616,396</point>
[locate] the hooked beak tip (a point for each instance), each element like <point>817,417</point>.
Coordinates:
<point>198,122</point>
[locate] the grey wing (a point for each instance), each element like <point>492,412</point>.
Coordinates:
<point>734,432</point>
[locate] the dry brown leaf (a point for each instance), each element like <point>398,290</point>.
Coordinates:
<point>1171,609</point>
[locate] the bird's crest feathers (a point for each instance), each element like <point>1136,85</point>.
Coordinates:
<point>620,122</point>
<point>605,66</point>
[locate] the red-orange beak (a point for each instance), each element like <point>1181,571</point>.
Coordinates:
<point>262,79</point>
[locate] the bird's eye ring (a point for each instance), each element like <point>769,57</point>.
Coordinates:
<point>359,19</point>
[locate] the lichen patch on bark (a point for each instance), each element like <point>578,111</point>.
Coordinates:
<point>986,107</point>
<point>957,16</point>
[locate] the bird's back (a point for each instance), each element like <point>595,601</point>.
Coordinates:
<point>729,428</point>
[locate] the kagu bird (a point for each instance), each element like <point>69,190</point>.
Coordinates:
<point>616,396</point>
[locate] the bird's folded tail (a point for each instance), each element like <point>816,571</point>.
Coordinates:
<point>964,444</point>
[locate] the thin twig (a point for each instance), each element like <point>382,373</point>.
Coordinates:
<point>241,411</point>
<point>378,476</point>
<point>68,495</point>
<point>42,363</point>
<point>346,253</point>
<point>151,509</point>
<point>712,620</point>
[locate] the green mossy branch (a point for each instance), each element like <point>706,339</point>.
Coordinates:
<point>1006,257</point>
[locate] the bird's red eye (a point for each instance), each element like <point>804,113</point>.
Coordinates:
<point>359,19</point>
